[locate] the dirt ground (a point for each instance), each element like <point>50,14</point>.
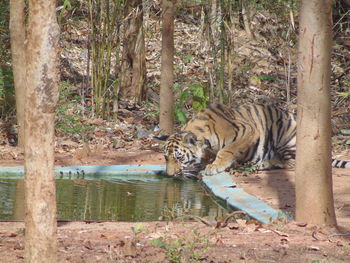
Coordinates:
<point>179,241</point>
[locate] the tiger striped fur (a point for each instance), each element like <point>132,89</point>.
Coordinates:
<point>218,138</point>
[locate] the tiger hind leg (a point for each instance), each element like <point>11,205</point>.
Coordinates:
<point>276,163</point>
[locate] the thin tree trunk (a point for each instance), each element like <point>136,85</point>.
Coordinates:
<point>166,120</point>
<point>133,68</point>
<point>246,19</point>
<point>18,34</point>
<point>228,18</point>
<point>41,98</point>
<point>314,196</point>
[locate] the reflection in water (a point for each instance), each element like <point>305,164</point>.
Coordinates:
<point>117,199</point>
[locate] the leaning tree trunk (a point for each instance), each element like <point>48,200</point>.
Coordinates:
<point>246,18</point>
<point>133,68</point>
<point>166,118</point>
<point>18,35</point>
<point>314,196</point>
<point>41,98</point>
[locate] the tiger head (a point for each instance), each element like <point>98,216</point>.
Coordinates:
<point>184,153</point>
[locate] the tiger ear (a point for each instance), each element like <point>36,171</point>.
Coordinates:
<point>190,138</point>
<point>207,143</point>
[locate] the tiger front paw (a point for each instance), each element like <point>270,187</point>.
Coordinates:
<point>212,169</point>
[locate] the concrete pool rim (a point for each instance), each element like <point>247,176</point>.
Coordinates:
<point>221,185</point>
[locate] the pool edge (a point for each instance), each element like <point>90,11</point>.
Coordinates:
<point>222,185</point>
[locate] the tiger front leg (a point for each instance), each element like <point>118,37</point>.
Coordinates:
<point>227,157</point>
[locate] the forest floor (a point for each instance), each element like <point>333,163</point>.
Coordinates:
<point>184,241</point>
<point>260,76</point>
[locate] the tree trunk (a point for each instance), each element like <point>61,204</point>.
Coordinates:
<point>246,18</point>
<point>228,20</point>
<point>166,118</point>
<point>314,196</point>
<point>41,98</point>
<point>17,31</point>
<point>132,82</point>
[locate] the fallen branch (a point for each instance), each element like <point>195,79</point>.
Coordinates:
<point>225,222</point>
<point>198,219</point>
<point>213,224</point>
<point>327,237</point>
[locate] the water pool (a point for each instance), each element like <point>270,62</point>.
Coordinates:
<point>118,199</point>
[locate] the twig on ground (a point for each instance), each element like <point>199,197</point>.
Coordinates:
<point>213,224</point>
<point>225,222</point>
<point>327,237</point>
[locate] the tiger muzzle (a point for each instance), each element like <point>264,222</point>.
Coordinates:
<point>192,172</point>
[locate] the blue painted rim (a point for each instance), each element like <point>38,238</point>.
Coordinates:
<point>221,185</point>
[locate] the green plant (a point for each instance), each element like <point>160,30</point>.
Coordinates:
<point>173,248</point>
<point>246,168</point>
<point>104,23</point>
<point>180,114</point>
<point>245,68</point>
<point>69,113</point>
<point>196,94</point>
<point>67,5</point>
<point>4,31</point>
<point>187,59</point>
<point>346,132</point>
<point>2,83</point>
<point>154,112</point>
<point>21,231</point>
<point>138,229</point>
<point>342,96</point>
<point>7,92</point>
<point>267,77</point>
<point>184,249</point>
<point>177,209</point>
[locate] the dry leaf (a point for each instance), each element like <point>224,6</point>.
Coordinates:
<point>280,233</point>
<point>233,226</point>
<point>340,244</point>
<point>100,134</point>
<point>241,222</point>
<point>69,143</point>
<point>88,245</point>
<point>97,122</point>
<point>284,241</point>
<point>313,248</point>
<point>250,228</point>
<point>8,234</point>
<point>219,242</point>
<point>302,224</point>
<point>263,230</point>
<point>108,236</point>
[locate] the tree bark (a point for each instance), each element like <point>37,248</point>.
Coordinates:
<point>166,118</point>
<point>246,19</point>
<point>314,195</point>
<point>133,68</point>
<point>41,98</point>
<point>18,34</point>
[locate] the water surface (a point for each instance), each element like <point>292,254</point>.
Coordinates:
<point>152,198</point>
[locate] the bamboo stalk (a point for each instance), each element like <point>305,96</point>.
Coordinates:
<point>104,29</point>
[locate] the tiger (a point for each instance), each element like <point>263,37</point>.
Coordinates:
<point>218,138</point>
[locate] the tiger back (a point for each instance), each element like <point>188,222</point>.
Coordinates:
<point>218,138</point>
